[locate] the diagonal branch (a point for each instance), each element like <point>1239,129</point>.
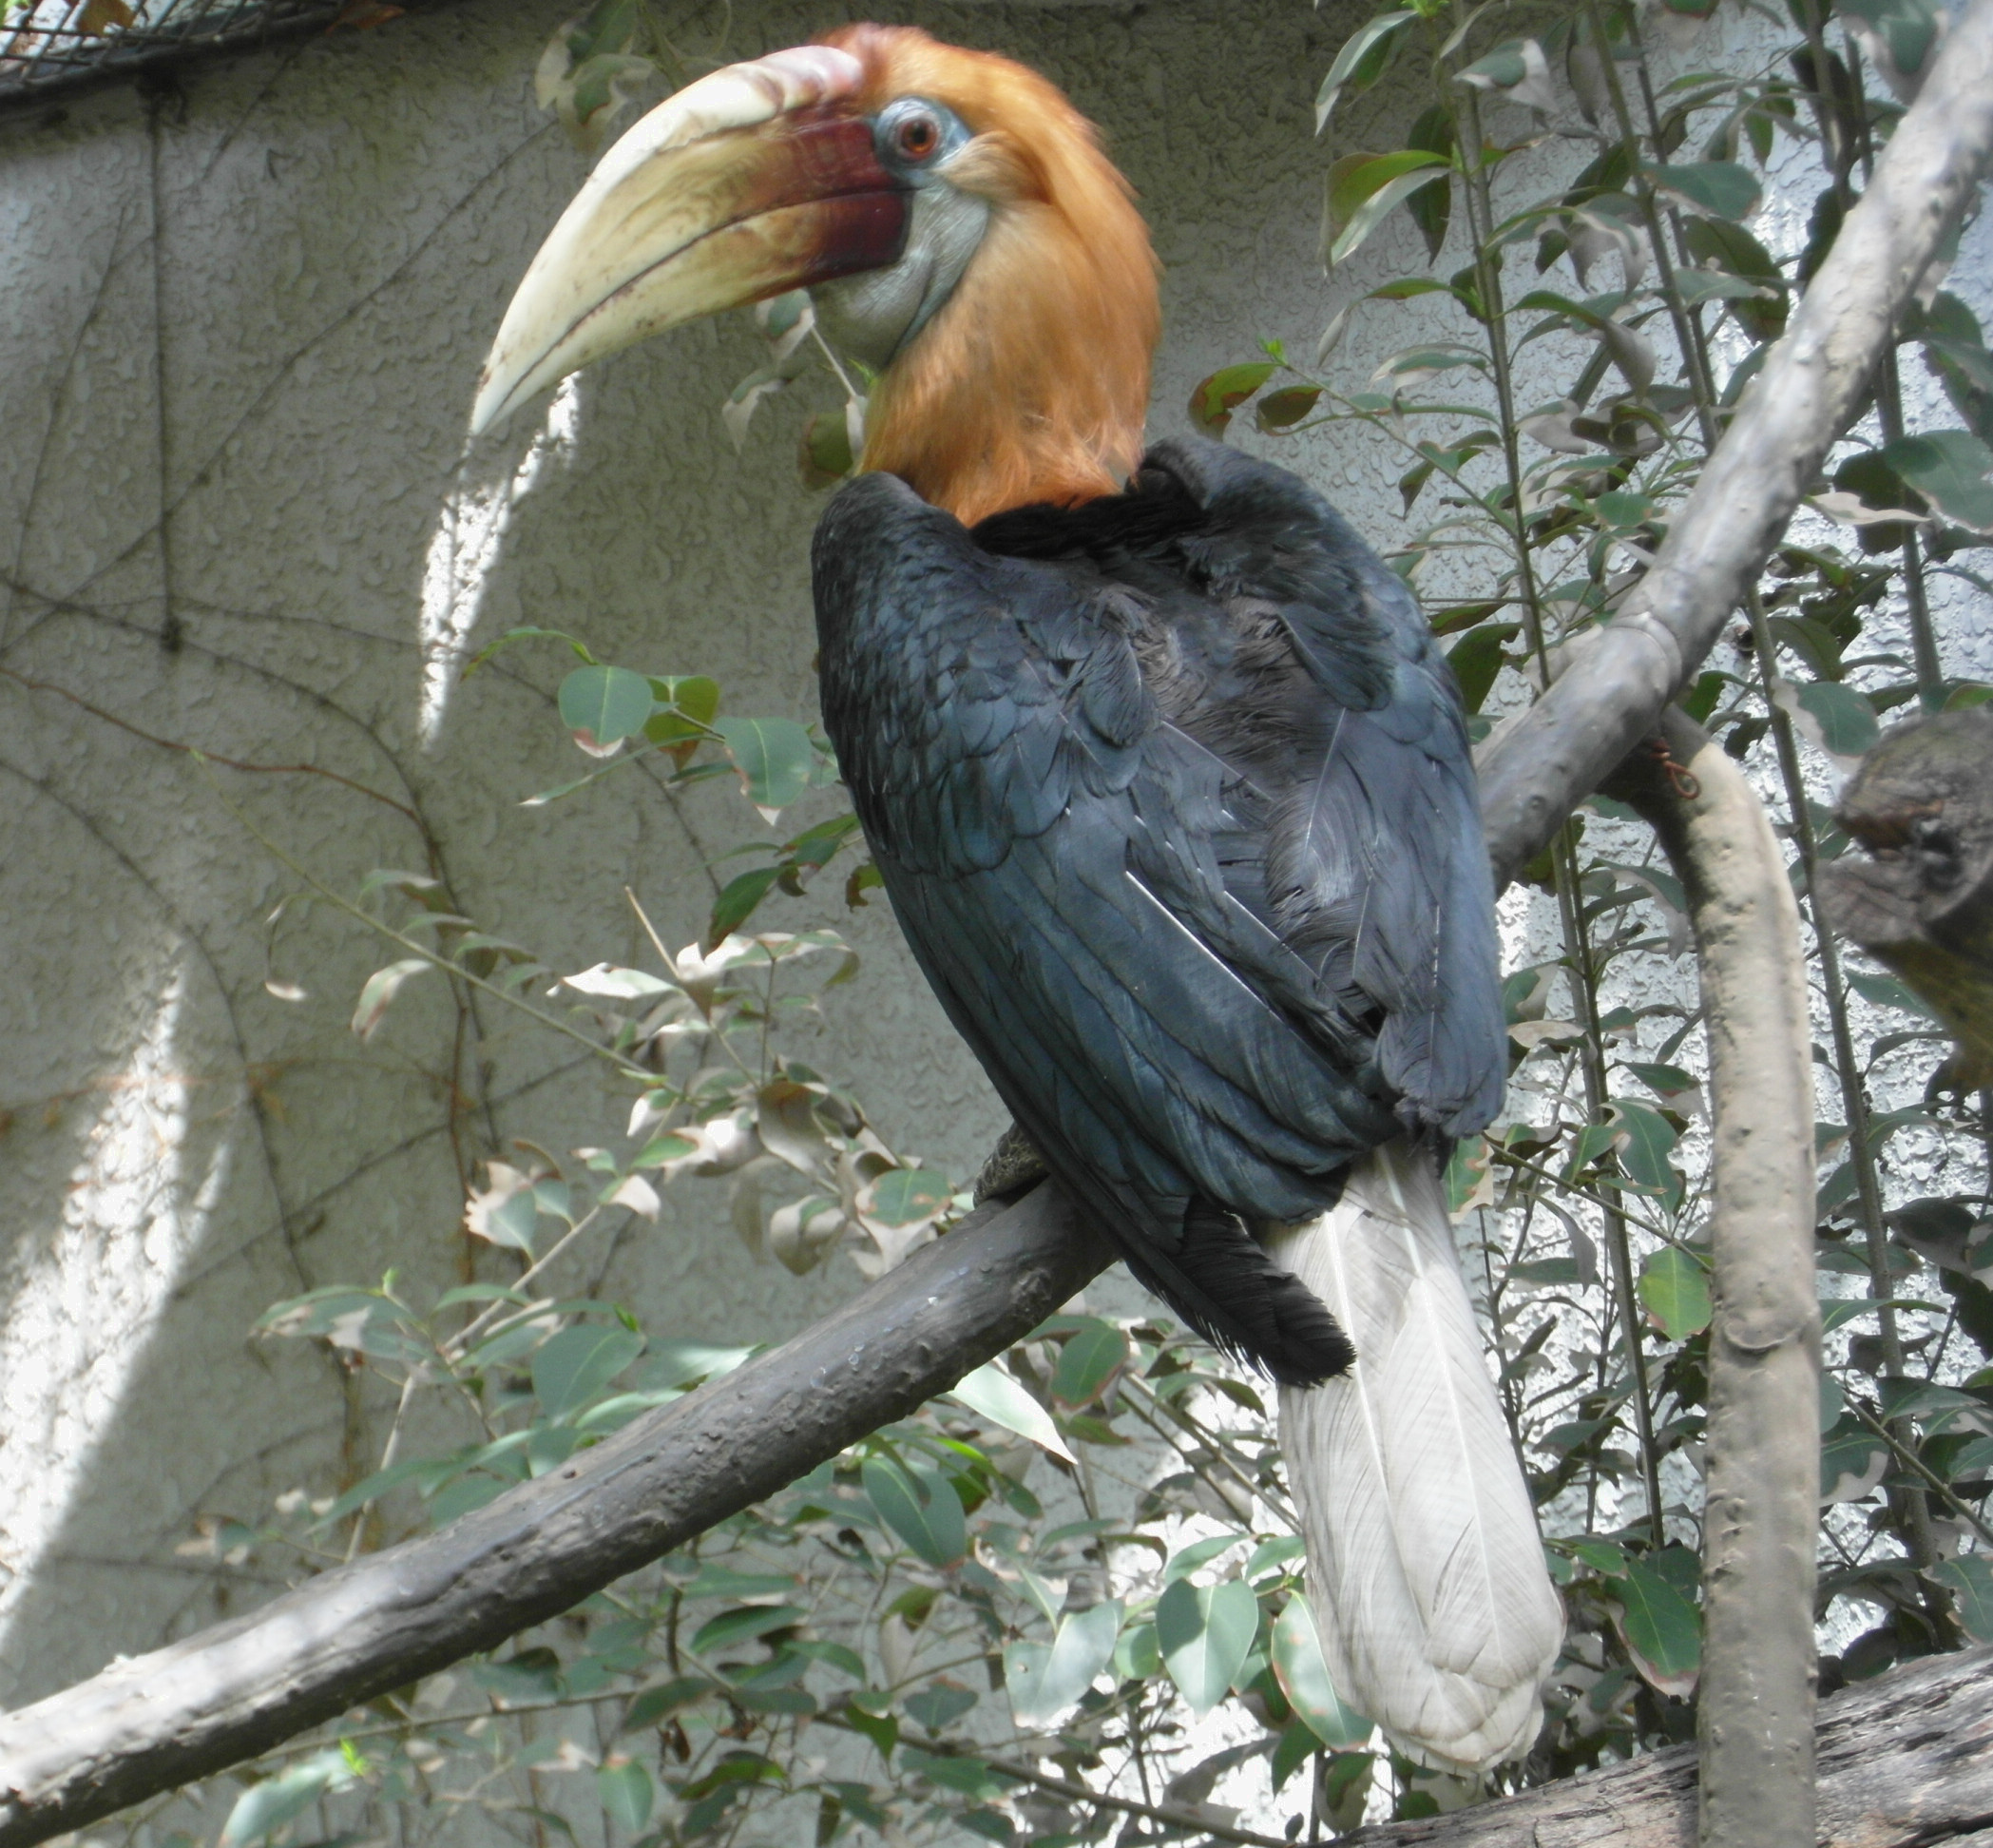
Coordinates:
<point>1536,770</point>
<point>149,1723</point>
<point>144,1725</point>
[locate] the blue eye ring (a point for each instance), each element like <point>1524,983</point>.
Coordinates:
<point>913,135</point>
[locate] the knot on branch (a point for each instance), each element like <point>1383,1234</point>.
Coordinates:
<point>1922,902</point>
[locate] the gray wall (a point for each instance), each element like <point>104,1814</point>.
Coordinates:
<point>237,343</point>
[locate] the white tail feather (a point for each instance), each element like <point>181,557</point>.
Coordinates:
<point>1425,1568</point>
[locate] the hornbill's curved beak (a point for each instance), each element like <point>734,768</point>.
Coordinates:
<point>757,179</point>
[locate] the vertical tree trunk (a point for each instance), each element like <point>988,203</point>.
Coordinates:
<point>1761,1504</point>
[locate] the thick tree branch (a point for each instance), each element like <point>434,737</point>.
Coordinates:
<point>1755,1710</point>
<point>150,1723</point>
<point>1906,1761</point>
<point>146,1724</point>
<point>1608,700</point>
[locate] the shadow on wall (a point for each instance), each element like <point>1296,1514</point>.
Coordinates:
<point>311,251</point>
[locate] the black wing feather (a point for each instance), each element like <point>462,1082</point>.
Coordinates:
<point>1171,794</point>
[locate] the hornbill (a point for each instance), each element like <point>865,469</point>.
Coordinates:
<point>1168,785</point>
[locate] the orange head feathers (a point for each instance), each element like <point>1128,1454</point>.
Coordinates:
<point>1031,381</point>
<point>952,215</point>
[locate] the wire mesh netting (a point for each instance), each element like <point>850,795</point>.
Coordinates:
<point>50,46</point>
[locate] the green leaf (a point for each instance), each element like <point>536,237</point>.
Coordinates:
<point>883,1729</point>
<point>1673,1290</point>
<point>990,1393</point>
<point>1303,1675</point>
<point>572,1368</point>
<point>1842,719</point>
<point>1949,468</point>
<point>1199,1552</point>
<point>918,1504</point>
<point>1362,195</point>
<point>1044,1682</point>
<point>1908,28</point>
<point>1723,187</point>
<point>1214,399</point>
<point>824,456</point>
<point>1887,992</point>
<point>1136,1656</point>
<point>1662,1628</point>
<point>744,1624</point>
<point>1515,68</point>
<point>1283,408</point>
<point>773,757</point>
<point>1360,62</point>
<point>1853,1461</point>
<point>652,1704</point>
<point>736,903</point>
<point>1970,1576</point>
<point>1296,1745</point>
<point>1645,1140</point>
<point>1205,1633</point>
<point>604,705</point>
<point>265,1807</point>
<point>694,696</point>
<point>939,1704</point>
<point>907,1196</point>
<point>380,988</point>
<point>624,1788</point>
<point>1665,1081</point>
<point>1476,659</point>
<point>1731,247</point>
<point>1091,1356</point>
<point>971,1776</point>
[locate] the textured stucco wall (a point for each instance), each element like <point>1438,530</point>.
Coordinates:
<point>258,311</point>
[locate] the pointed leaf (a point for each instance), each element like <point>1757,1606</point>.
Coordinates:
<point>919,1505</point>
<point>1214,399</point>
<point>1045,1684</point>
<point>604,705</point>
<point>1360,62</point>
<point>1853,1461</point>
<point>574,1366</point>
<point>1303,1675</point>
<point>1722,187</point>
<point>1662,1628</point>
<point>990,1393</point>
<point>381,988</point>
<point>773,757</point>
<point>1673,1290</point>
<point>1645,1139</point>
<point>1948,467</point>
<point>1091,1356</point>
<point>267,1806</point>
<point>1971,1578</point>
<point>907,1196</point>
<point>624,1788</point>
<point>1205,1633</point>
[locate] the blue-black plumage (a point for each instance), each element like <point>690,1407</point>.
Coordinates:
<point>1172,797</point>
<point>1166,780</point>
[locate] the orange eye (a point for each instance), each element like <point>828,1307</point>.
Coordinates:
<point>919,136</point>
